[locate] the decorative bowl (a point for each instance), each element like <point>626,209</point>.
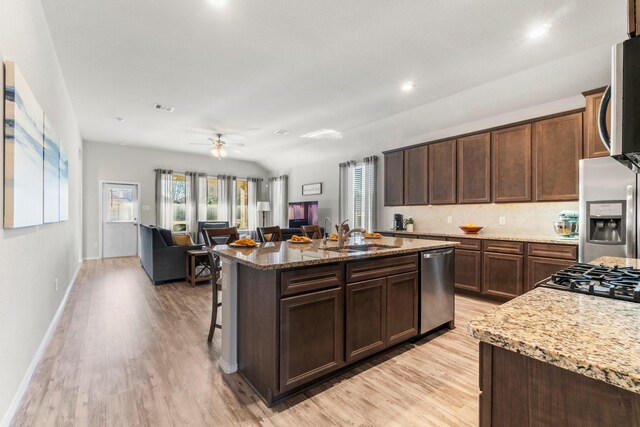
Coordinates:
<point>470,229</point>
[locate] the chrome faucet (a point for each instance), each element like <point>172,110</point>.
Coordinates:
<point>327,231</point>
<point>342,235</point>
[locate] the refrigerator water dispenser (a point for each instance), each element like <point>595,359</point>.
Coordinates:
<point>607,222</point>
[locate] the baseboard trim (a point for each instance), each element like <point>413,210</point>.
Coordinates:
<point>92,258</point>
<point>227,368</point>
<point>26,380</point>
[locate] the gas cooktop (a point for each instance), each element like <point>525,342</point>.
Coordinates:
<point>621,283</point>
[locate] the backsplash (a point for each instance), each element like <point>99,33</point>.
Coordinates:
<point>523,219</point>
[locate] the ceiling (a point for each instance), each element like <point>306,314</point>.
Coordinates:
<point>255,66</point>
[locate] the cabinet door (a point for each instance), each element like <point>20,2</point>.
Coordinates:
<point>394,179</point>
<point>503,274</point>
<point>442,173</point>
<point>474,169</point>
<point>311,337</point>
<point>366,318</point>
<point>540,268</point>
<point>402,307</point>
<point>416,176</point>
<point>593,146</point>
<point>557,148</point>
<point>511,164</point>
<point>468,270</point>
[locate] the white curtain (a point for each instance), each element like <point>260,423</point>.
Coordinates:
<point>279,199</point>
<point>369,193</point>
<point>164,198</point>
<point>196,200</point>
<point>254,188</point>
<point>345,192</point>
<point>227,199</point>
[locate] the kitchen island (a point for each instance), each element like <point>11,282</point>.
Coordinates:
<point>294,314</point>
<point>553,357</point>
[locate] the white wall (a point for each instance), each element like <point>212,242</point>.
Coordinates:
<point>32,258</point>
<point>110,162</point>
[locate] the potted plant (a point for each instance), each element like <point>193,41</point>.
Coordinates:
<point>408,224</point>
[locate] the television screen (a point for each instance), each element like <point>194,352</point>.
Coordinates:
<point>303,213</point>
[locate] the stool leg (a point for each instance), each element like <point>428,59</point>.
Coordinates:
<point>214,310</point>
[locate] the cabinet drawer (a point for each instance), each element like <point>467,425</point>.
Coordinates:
<point>365,270</point>
<point>547,250</point>
<point>467,244</point>
<point>505,247</point>
<point>310,279</point>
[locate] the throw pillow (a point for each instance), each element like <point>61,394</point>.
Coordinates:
<point>183,239</point>
<point>166,236</point>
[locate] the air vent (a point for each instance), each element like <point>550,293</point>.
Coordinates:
<point>323,134</point>
<point>167,108</point>
<point>282,132</point>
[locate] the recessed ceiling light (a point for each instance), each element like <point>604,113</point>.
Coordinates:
<point>282,132</point>
<point>167,108</point>
<point>408,86</point>
<point>539,31</point>
<point>323,134</point>
<point>218,3</point>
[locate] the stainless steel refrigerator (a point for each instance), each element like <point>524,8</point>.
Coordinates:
<point>608,209</point>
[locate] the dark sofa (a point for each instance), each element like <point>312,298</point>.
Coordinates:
<point>161,259</point>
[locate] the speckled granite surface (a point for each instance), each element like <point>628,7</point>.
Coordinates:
<point>485,236</point>
<point>593,336</point>
<point>620,262</point>
<point>281,255</point>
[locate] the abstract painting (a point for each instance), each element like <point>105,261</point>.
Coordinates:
<point>52,164</point>
<point>23,153</point>
<point>64,185</point>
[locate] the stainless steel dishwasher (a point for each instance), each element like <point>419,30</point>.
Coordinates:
<point>436,289</point>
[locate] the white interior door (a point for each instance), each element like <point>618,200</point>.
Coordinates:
<point>119,220</point>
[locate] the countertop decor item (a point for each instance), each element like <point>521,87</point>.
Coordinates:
<point>408,224</point>
<point>470,228</point>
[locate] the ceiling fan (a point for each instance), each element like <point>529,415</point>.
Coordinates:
<point>219,149</point>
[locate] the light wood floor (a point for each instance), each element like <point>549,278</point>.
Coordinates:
<point>128,353</point>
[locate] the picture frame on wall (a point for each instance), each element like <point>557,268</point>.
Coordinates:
<point>312,189</point>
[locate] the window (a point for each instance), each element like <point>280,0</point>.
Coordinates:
<point>120,204</point>
<point>179,189</point>
<point>212,199</point>
<point>364,194</point>
<point>242,204</point>
<point>358,193</point>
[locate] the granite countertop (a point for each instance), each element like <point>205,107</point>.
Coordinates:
<point>281,255</point>
<point>488,236</point>
<point>594,336</point>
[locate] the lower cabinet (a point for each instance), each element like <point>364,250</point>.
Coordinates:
<point>503,274</point>
<point>468,270</point>
<point>311,337</point>
<point>540,268</point>
<point>380,313</point>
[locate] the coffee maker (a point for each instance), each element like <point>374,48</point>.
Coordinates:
<point>398,222</point>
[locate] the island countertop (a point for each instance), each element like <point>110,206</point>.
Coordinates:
<point>590,335</point>
<point>282,255</point>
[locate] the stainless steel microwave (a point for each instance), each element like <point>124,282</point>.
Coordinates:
<point>623,139</point>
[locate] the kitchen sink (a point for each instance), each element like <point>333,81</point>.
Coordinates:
<point>359,248</point>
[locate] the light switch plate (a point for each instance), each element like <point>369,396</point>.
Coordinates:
<point>449,220</point>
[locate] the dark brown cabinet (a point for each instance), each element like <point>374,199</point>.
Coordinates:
<point>416,176</point>
<point>311,337</point>
<point>366,318</point>
<point>394,178</point>
<point>557,148</point>
<point>633,14</point>
<point>442,173</point>
<point>540,268</point>
<point>474,168</point>
<point>511,164</point>
<point>402,307</point>
<point>503,274</point>
<point>468,270</point>
<point>593,146</point>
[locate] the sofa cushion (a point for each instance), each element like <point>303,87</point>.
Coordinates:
<point>167,236</point>
<point>182,239</point>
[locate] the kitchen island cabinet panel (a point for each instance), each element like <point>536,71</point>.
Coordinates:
<point>311,337</point>
<point>511,164</point>
<point>557,149</point>
<point>402,307</point>
<point>474,168</point>
<point>366,318</point>
<point>442,173</point>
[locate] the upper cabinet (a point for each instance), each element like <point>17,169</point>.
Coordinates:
<point>416,176</point>
<point>394,178</point>
<point>442,173</point>
<point>557,149</point>
<point>474,169</point>
<point>593,146</point>
<point>633,14</point>
<point>511,164</point>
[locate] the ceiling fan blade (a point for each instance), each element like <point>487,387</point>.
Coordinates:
<point>234,144</point>
<point>200,143</point>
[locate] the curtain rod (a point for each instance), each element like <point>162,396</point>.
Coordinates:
<point>204,173</point>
